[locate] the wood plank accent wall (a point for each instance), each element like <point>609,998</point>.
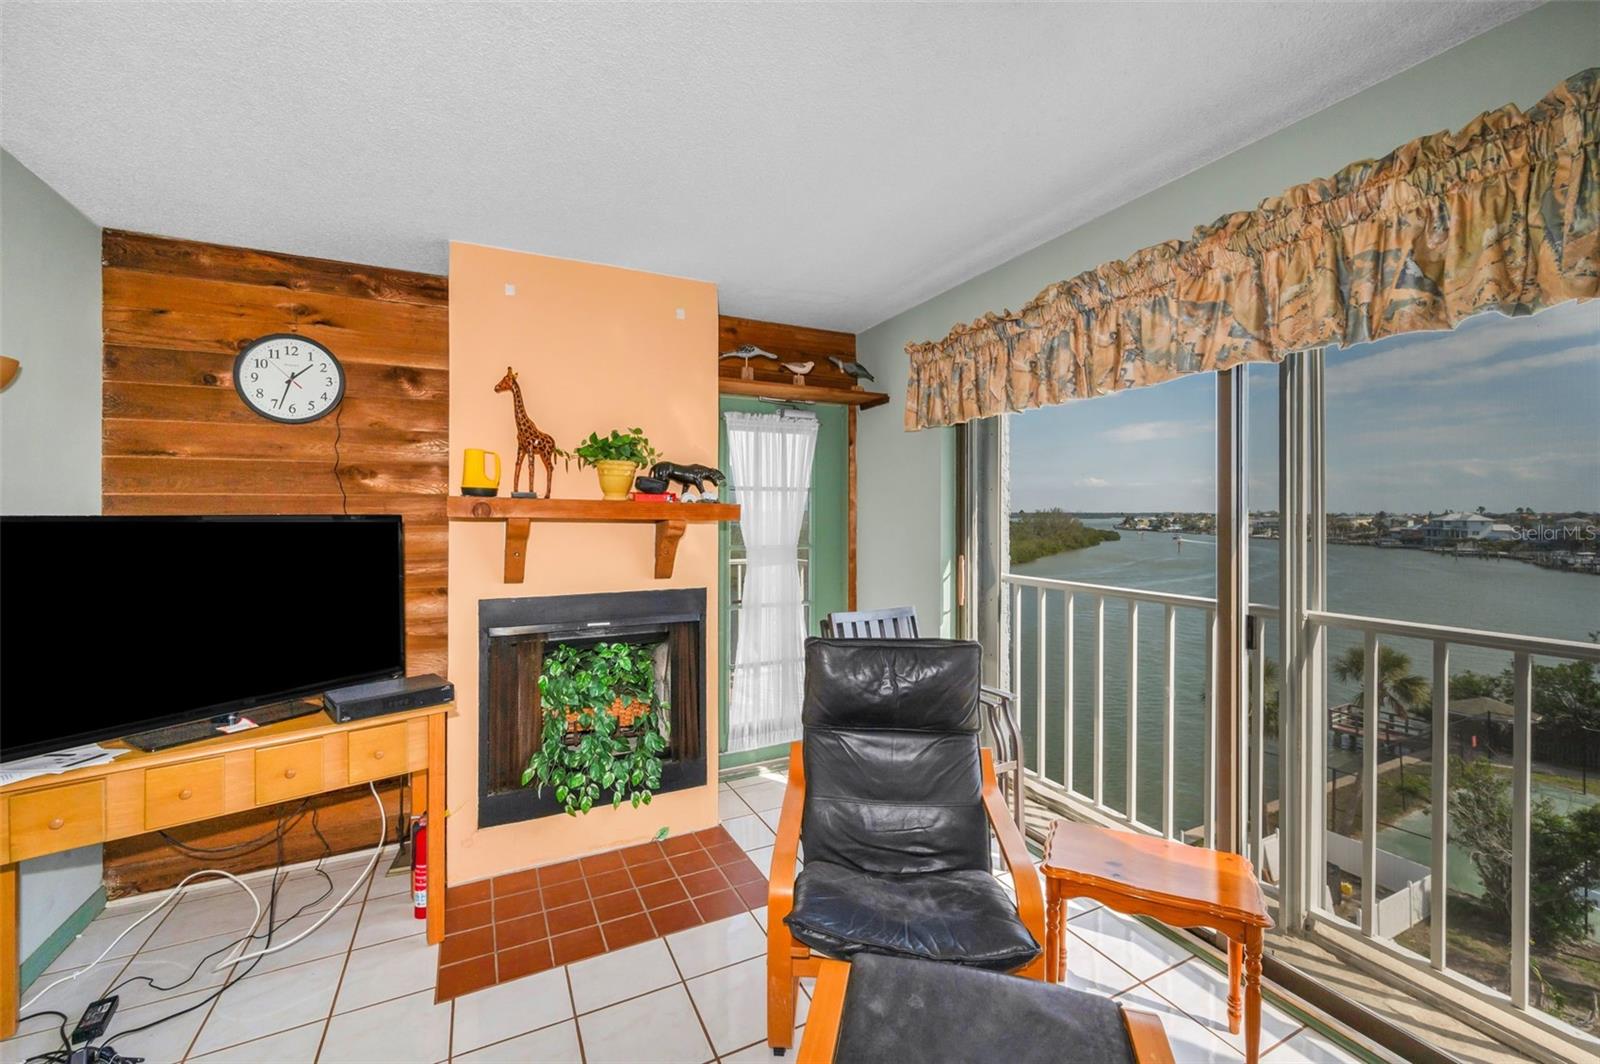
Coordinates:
<point>176,439</point>
<point>791,343</point>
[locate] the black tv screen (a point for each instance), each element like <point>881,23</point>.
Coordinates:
<point>115,625</point>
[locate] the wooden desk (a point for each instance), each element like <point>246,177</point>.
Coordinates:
<point>1182,886</point>
<point>143,791</point>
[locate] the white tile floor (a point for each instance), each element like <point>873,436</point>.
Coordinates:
<point>361,988</point>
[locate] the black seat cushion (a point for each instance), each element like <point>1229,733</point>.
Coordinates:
<point>959,916</point>
<point>904,1010</point>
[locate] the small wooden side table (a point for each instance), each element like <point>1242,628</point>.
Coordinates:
<point>1181,886</point>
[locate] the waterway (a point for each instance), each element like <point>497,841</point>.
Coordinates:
<point>1402,584</point>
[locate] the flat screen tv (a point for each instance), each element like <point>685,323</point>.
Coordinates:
<point>116,625</point>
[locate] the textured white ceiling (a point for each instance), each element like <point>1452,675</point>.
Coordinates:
<point>823,164</point>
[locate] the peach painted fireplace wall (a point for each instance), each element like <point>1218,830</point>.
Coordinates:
<point>595,348</point>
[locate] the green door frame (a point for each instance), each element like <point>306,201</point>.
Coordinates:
<point>830,490</point>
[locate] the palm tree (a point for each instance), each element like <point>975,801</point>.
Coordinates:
<point>1398,687</point>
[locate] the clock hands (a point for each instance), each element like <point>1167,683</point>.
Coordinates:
<point>291,377</point>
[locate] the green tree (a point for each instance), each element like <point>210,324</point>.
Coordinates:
<point>1474,685</point>
<point>1398,687</point>
<point>1269,687</point>
<point>1562,864</point>
<point>1041,533</point>
<point>1567,694</point>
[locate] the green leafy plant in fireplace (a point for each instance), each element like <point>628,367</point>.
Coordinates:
<point>631,446</point>
<point>600,739</point>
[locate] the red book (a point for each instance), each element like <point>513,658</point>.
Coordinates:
<point>664,496</point>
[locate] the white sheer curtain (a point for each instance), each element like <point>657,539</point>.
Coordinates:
<point>770,463</point>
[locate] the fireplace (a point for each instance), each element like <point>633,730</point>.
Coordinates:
<point>514,636</point>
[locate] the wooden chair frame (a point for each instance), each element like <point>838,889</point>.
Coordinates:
<point>789,960</point>
<point>1146,1036</point>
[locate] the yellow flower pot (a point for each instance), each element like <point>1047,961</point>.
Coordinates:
<point>616,478</point>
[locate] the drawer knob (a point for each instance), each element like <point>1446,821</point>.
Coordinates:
<point>185,794</point>
<point>57,824</point>
<point>377,755</point>
<point>289,773</point>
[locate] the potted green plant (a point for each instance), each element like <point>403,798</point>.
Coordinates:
<point>616,458</point>
<point>600,732</point>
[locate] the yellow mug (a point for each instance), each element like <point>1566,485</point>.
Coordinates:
<point>475,476</point>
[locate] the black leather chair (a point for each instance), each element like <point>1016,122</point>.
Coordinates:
<point>894,1009</point>
<point>894,799</point>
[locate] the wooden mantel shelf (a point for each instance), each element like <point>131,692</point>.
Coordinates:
<point>802,393</point>
<point>670,519</point>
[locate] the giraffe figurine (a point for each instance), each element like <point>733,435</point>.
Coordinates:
<point>531,443</point>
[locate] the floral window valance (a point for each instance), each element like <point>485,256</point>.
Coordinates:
<point>1502,215</point>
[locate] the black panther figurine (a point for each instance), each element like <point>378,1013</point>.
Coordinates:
<point>690,476</point>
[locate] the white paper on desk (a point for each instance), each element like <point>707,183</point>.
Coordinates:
<point>57,761</point>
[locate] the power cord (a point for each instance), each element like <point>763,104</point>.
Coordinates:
<point>106,1053</point>
<point>255,958</point>
<point>108,1043</point>
<point>338,432</point>
<point>327,851</point>
<point>239,849</point>
<point>65,1041</point>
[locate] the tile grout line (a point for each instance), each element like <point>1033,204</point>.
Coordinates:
<point>523,1034</point>
<point>201,1026</point>
<point>572,999</point>
<point>711,1045</point>
<point>350,948</point>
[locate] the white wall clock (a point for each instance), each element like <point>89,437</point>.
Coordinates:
<point>288,378</point>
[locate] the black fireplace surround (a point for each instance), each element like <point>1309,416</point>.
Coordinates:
<point>512,635</point>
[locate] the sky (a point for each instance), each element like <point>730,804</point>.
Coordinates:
<point>1500,413</point>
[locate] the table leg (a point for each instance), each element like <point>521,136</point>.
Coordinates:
<point>1055,939</point>
<point>1235,978</point>
<point>436,827</point>
<point>1252,995</point>
<point>10,963</point>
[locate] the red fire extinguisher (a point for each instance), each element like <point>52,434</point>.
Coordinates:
<point>419,868</point>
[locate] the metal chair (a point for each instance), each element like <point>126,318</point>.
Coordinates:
<point>1001,720</point>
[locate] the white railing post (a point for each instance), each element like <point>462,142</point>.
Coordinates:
<point>1521,814</point>
<point>1169,721</point>
<point>1014,681</point>
<point>1133,711</point>
<point>1039,702</point>
<point>1437,870</point>
<point>1099,699</point>
<point>1257,743</point>
<point>1369,786</point>
<point>1068,631</point>
<point>1208,788</point>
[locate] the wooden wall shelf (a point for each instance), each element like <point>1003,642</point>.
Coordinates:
<point>670,519</point>
<point>803,393</point>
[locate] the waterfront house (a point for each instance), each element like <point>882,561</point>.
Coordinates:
<point>1454,528</point>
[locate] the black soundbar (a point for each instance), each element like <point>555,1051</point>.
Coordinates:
<point>362,700</point>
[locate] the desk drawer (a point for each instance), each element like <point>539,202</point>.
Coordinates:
<point>57,819</point>
<point>377,752</point>
<point>288,771</point>
<point>178,794</point>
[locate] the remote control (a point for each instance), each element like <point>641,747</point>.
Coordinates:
<point>94,1021</point>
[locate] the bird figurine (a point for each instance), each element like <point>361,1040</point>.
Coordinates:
<point>747,352</point>
<point>854,370</point>
<point>799,369</point>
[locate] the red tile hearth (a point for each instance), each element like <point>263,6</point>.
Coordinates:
<point>523,922</point>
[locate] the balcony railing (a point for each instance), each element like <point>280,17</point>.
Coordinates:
<point>1045,613</point>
